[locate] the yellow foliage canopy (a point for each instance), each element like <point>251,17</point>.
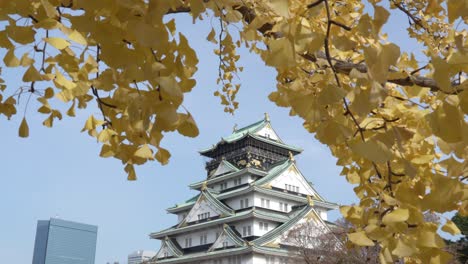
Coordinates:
<point>398,128</point>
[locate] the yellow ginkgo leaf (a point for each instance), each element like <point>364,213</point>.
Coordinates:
<point>163,156</point>
<point>281,54</point>
<point>211,36</point>
<point>188,127</point>
<point>58,43</point>
<point>404,249</point>
<point>360,238</point>
<point>396,216</point>
<point>32,75</point>
<point>131,175</point>
<point>77,37</point>
<point>23,129</point>
<point>26,60</point>
<point>10,59</point>
<point>144,152</point>
<point>372,150</point>
<point>49,9</point>
<point>281,7</point>
<point>22,35</point>
<point>451,228</point>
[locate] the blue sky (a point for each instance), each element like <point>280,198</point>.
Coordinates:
<point>57,172</point>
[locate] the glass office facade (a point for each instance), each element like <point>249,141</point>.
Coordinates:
<point>64,242</point>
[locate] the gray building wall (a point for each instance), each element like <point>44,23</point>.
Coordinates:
<point>64,242</point>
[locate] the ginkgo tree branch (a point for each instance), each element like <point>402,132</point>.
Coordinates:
<point>341,66</point>
<point>337,79</point>
<point>415,20</point>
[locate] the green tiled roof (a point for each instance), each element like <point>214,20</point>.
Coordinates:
<point>294,197</point>
<point>226,210</point>
<point>250,130</point>
<point>273,234</point>
<point>255,186</point>
<point>198,185</point>
<point>223,209</point>
<point>173,247</point>
<point>201,255</point>
<point>231,234</point>
<point>274,172</point>
<point>254,212</point>
<point>190,258</point>
<point>295,218</point>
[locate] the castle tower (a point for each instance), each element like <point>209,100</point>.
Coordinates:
<point>253,195</point>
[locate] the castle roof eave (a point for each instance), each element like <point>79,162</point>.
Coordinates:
<point>198,185</point>
<point>255,212</point>
<point>278,231</point>
<point>220,206</point>
<point>250,130</point>
<point>236,192</point>
<point>295,150</point>
<point>189,258</point>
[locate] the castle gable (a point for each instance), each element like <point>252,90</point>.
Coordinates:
<point>227,239</point>
<point>206,207</point>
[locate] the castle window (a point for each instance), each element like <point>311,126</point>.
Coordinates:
<point>203,239</point>
<point>188,242</point>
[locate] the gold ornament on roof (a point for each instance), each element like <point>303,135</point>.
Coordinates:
<point>291,156</point>
<point>204,186</point>
<point>309,200</point>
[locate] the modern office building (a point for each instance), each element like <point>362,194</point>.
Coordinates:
<point>64,242</point>
<point>253,195</point>
<point>139,256</point>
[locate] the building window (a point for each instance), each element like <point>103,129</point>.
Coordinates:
<point>263,226</point>
<point>265,203</point>
<point>249,230</point>
<point>217,235</point>
<point>223,186</point>
<point>203,239</point>
<point>203,216</point>
<point>244,203</point>
<point>270,260</point>
<point>235,260</point>
<point>238,181</point>
<point>283,207</point>
<point>188,242</point>
<point>225,244</point>
<point>291,188</point>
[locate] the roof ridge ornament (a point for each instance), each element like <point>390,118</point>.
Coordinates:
<point>204,186</point>
<point>234,129</point>
<point>267,117</point>
<point>310,201</point>
<point>291,156</point>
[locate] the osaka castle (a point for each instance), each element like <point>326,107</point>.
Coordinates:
<point>252,196</point>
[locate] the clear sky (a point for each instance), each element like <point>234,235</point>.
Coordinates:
<point>57,172</point>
